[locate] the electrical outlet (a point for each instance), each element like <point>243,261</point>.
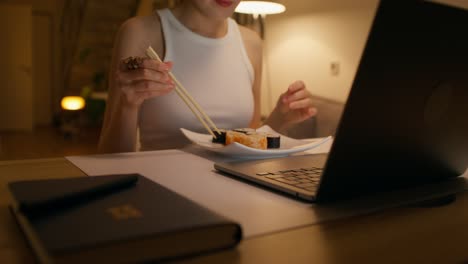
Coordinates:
<point>335,68</point>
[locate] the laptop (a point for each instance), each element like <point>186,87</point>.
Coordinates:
<point>405,122</point>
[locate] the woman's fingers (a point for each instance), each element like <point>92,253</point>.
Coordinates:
<point>302,103</point>
<point>138,69</point>
<point>150,94</point>
<point>134,63</point>
<point>143,66</point>
<point>296,86</point>
<point>297,99</point>
<point>296,91</point>
<point>148,86</point>
<point>309,112</point>
<point>296,96</point>
<point>144,75</point>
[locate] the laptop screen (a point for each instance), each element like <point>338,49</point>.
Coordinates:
<point>405,121</point>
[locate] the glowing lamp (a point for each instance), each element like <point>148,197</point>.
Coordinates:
<point>260,7</point>
<point>72,103</point>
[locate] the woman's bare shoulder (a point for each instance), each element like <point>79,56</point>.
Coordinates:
<point>142,31</point>
<point>142,23</point>
<point>253,45</point>
<point>251,38</point>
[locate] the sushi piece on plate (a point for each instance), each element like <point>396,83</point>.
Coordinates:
<point>252,140</point>
<point>248,137</point>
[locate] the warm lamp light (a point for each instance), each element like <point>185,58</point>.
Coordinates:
<point>260,7</point>
<point>259,10</point>
<point>72,103</point>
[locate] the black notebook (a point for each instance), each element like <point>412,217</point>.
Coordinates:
<point>115,218</point>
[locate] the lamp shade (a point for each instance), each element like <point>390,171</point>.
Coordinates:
<point>260,7</point>
<point>72,103</point>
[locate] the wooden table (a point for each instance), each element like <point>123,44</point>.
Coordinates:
<point>402,235</point>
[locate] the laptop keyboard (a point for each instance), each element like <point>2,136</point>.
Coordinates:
<point>303,178</point>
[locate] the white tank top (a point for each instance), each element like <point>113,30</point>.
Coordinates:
<point>216,72</point>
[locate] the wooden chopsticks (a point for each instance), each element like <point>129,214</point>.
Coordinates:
<point>187,98</point>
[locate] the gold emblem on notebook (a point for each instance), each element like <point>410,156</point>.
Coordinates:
<point>124,212</point>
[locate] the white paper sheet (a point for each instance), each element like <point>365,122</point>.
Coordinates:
<point>259,211</point>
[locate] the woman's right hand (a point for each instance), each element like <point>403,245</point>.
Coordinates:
<point>142,78</point>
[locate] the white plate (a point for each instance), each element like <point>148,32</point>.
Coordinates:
<point>288,145</point>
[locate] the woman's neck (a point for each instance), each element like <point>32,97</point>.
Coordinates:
<point>199,23</point>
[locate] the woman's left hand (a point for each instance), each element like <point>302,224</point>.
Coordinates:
<point>293,106</point>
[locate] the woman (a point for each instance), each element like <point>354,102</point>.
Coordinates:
<point>216,60</point>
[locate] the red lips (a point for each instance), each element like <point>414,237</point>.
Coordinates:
<point>224,3</point>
